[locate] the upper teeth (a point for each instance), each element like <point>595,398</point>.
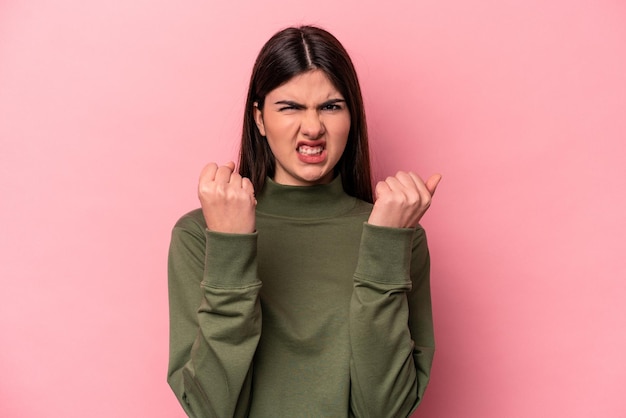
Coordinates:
<point>304,149</point>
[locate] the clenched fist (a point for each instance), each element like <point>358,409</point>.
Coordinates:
<point>227,199</point>
<point>402,200</point>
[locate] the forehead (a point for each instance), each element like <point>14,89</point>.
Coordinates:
<point>309,86</point>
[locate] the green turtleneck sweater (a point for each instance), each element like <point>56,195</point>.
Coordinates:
<point>316,314</point>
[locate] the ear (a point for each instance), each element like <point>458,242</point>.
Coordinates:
<point>258,118</point>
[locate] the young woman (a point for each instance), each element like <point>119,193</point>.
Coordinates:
<point>291,293</point>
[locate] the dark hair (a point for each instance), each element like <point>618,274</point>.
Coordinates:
<point>288,53</point>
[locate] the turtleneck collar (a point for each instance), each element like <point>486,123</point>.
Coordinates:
<point>304,202</point>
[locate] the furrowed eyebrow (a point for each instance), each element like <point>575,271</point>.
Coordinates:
<point>332,101</point>
<point>298,105</point>
<point>289,103</point>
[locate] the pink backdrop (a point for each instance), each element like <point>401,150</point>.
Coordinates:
<point>109,109</point>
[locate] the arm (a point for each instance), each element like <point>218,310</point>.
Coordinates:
<point>391,331</point>
<point>215,315</point>
<point>215,319</point>
<point>421,316</point>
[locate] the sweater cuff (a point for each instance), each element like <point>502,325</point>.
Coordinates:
<point>385,255</point>
<point>230,260</point>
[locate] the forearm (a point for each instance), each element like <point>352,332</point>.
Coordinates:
<point>211,352</point>
<point>385,379</point>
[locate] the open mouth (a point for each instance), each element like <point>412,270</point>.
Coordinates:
<point>309,150</point>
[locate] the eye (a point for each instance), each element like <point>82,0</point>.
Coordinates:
<point>289,106</point>
<point>332,107</point>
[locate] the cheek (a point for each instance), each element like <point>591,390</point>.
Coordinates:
<point>274,145</point>
<point>342,129</point>
<point>279,129</point>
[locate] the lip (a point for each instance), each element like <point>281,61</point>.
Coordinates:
<point>312,158</point>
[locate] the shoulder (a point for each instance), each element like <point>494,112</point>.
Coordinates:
<point>190,226</point>
<point>193,220</point>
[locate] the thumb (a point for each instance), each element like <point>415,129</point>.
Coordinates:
<point>230,165</point>
<point>432,183</point>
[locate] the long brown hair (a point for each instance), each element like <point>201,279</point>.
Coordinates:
<point>288,53</point>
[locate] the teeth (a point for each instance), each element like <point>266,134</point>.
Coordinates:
<point>303,149</point>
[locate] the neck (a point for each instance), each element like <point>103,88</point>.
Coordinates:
<point>304,202</point>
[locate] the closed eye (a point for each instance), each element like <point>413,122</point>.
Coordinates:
<point>288,105</point>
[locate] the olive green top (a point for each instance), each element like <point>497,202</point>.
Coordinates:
<point>316,314</point>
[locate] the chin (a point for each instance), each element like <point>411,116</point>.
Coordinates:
<point>318,178</point>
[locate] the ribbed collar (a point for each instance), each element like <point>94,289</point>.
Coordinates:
<point>304,202</point>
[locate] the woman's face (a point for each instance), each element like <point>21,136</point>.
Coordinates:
<point>306,123</point>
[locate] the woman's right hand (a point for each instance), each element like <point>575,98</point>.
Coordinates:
<point>227,199</point>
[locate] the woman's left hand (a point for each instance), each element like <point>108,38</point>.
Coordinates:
<point>402,200</point>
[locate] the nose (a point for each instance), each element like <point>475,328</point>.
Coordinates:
<point>312,126</point>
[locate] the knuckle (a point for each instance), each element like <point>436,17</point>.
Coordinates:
<point>414,200</point>
<point>204,188</point>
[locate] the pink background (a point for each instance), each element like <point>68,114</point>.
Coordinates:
<point>109,109</point>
